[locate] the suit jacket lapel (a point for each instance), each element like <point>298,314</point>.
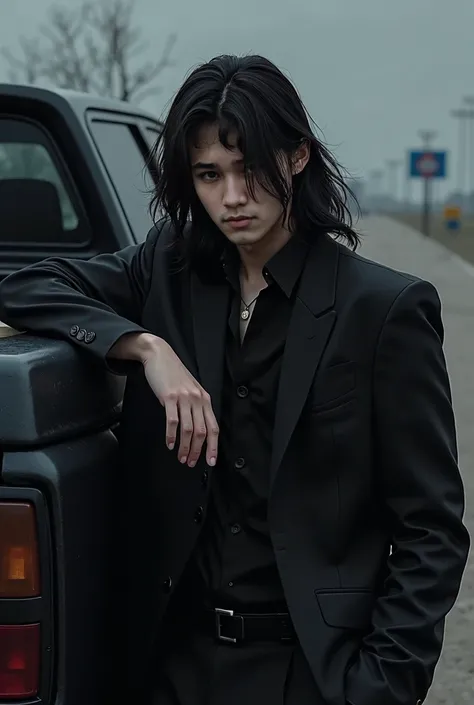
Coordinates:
<point>311,324</point>
<point>210,311</point>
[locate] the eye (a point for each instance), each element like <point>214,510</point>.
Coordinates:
<point>208,176</point>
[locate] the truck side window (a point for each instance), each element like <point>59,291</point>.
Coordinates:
<point>36,205</point>
<point>124,154</point>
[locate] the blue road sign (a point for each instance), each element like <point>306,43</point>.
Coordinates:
<point>427,164</point>
<point>453,225</point>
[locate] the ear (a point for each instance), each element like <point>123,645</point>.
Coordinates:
<point>300,158</point>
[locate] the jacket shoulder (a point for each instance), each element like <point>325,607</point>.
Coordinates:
<point>372,276</point>
<point>375,288</point>
<point>162,233</point>
<point>163,239</point>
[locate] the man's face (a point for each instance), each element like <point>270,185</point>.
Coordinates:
<point>219,180</point>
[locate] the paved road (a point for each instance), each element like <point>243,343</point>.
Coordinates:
<point>401,247</point>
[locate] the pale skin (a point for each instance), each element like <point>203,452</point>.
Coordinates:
<point>219,180</point>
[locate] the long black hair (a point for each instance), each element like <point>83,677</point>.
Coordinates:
<point>249,97</point>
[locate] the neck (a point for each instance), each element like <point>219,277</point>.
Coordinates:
<point>255,257</point>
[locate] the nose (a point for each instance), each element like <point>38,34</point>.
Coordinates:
<point>235,191</point>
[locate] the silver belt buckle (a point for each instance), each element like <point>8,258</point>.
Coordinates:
<point>227,613</point>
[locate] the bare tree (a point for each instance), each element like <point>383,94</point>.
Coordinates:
<point>96,49</point>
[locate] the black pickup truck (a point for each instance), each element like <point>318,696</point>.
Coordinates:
<point>74,181</point>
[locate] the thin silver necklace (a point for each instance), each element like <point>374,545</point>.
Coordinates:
<point>245,313</point>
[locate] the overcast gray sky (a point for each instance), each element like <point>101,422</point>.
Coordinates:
<point>372,72</point>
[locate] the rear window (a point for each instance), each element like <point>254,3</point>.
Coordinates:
<point>36,197</point>
<point>125,155</point>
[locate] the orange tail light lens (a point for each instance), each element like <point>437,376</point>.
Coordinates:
<point>19,560</point>
<point>19,661</point>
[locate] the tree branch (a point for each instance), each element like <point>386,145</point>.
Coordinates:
<point>95,48</point>
<point>29,67</point>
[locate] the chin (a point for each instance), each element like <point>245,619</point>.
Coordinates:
<point>244,237</point>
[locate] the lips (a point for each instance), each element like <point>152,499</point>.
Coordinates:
<point>239,223</point>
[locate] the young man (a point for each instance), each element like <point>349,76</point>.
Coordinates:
<point>293,505</point>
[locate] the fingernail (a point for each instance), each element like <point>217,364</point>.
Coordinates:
<point>183,459</point>
<point>170,446</point>
<point>212,462</point>
<point>192,463</point>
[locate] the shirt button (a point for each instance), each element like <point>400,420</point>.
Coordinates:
<point>74,331</point>
<point>239,463</point>
<point>230,583</point>
<point>81,334</point>
<point>90,337</point>
<point>204,478</point>
<point>198,514</point>
<point>167,584</point>
<point>242,391</point>
<point>236,528</point>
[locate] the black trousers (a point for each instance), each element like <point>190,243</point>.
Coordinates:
<point>192,668</point>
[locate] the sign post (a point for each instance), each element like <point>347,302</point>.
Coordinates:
<point>427,165</point>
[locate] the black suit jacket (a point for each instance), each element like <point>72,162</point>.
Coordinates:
<point>366,501</point>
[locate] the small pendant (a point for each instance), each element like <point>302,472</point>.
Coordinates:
<point>245,314</point>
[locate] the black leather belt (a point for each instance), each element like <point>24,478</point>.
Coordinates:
<point>232,627</point>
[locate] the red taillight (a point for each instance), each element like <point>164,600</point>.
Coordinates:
<point>19,661</point>
<point>19,560</point>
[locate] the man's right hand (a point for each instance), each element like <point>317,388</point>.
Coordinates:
<point>187,404</point>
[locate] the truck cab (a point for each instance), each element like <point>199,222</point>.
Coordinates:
<point>75,174</point>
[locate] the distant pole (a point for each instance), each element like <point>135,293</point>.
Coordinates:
<point>469,101</point>
<point>392,174</point>
<point>407,181</point>
<point>376,176</point>
<point>462,115</point>
<point>427,137</point>
<point>407,195</point>
<point>425,223</point>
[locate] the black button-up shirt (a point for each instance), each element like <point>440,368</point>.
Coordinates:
<point>234,562</point>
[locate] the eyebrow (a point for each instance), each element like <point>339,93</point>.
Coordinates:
<point>212,165</point>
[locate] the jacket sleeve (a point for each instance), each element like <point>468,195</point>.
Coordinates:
<point>90,303</point>
<point>423,499</point>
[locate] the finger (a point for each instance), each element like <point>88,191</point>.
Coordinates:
<point>172,419</point>
<point>186,428</point>
<point>212,437</point>
<point>199,432</point>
